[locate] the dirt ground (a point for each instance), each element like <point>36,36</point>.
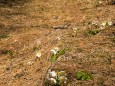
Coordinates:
<point>29,24</point>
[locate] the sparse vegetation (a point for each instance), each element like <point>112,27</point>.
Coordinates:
<point>55,56</point>
<point>92,32</point>
<point>39,32</point>
<point>81,75</point>
<point>10,52</point>
<point>35,48</point>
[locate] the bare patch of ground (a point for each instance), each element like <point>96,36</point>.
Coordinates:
<point>27,25</point>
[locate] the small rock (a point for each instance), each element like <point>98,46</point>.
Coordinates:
<point>61,26</point>
<point>18,75</point>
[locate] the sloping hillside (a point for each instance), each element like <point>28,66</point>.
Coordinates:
<point>85,28</point>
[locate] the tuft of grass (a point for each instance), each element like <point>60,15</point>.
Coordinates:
<point>3,36</point>
<point>54,57</point>
<point>10,52</point>
<point>92,32</point>
<point>35,48</point>
<point>81,75</point>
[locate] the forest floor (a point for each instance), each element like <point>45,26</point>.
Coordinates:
<point>26,26</point>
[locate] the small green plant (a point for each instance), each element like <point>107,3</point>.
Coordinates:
<point>55,56</point>
<point>3,36</point>
<point>81,75</point>
<point>92,32</point>
<point>10,52</point>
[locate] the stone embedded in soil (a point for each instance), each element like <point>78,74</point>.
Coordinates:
<point>61,27</point>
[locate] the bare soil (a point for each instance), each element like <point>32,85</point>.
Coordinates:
<point>29,24</point>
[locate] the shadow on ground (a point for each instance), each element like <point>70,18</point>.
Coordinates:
<point>13,2</point>
<point>9,10</point>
